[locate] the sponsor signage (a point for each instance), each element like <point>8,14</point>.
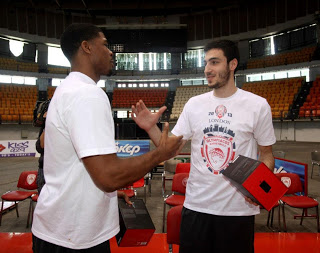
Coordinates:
<point>127,148</point>
<point>18,148</point>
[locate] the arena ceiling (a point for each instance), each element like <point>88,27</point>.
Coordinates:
<point>137,8</point>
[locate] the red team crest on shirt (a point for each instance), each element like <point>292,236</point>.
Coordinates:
<point>220,111</point>
<point>218,148</point>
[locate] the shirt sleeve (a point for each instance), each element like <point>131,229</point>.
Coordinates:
<point>91,127</point>
<point>183,125</point>
<point>263,131</point>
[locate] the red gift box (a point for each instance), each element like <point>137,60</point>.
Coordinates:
<point>255,180</point>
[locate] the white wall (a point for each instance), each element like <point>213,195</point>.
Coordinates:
<point>305,131</point>
<point>16,132</point>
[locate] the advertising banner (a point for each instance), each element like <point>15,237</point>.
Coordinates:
<point>18,148</point>
<point>127,148</point>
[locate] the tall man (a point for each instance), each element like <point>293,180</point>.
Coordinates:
<point>221,124</point>
<point>77,208</point>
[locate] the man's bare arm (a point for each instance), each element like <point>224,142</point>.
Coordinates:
<point>266,156</point>
<point>110,173</point>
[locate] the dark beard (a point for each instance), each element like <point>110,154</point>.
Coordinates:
<point>224,78</point>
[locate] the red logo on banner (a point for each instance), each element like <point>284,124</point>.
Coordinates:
<point>2,147</point>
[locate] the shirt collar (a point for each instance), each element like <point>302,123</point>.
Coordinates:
<point>82,77</point>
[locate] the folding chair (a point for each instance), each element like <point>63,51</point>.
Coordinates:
<point>173,226</point>
<point>34,198</point>
<point>131,191</point>
<point>169,169</point>
<point>139,184</point>
<point>27,181</point>
<point>179,184</point>
<point>293,197</point>
<point>183,168</point>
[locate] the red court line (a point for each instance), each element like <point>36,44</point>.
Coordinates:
<point>264,243</point>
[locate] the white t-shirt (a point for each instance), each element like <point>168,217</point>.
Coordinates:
<point>71,211</point>
<point>221,129</point>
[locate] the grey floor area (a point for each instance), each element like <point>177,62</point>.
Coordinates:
<point>10,169</point>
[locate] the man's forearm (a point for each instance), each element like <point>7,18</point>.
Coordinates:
<point>268,160</point>
<point>155,135</point>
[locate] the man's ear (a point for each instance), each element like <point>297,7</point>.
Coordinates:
<point>233,64</point>
<point>85,46</point>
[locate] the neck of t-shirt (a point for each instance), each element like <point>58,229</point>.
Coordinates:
<point>225,95</point>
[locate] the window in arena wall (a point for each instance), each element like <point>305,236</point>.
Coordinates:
<point>101,83</point>
<point>5,79</point>
<point>56,57</point>
<point>251,78</point>
<point>306,73</point>
<point>18,79</point>
<point>30,80</point>
<point>141,61</point>
<point>16,47</point>
<point>56,81</point>
<point>294,73</point>
<point>267,76</point>
<point>122,114</point>
<point>279,75</point>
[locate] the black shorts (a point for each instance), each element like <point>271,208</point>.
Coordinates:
<point>200,232</point>
<point>41,246</point>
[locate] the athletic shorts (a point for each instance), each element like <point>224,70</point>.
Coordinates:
<point>41,246</point>
<point>202,233</point>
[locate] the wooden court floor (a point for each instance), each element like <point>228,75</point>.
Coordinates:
<point>264,243</point>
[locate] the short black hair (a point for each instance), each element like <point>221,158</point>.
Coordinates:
<point>229,48</point>
<point>73,36</point>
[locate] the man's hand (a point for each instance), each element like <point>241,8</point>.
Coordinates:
<point>143,117</point>
<point>122,194</point>
<point>250,201</point>
<point>169,146</point>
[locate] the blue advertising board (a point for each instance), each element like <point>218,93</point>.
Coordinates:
<point>127,148</point>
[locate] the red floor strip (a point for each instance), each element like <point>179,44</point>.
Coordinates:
<point>264,243</point>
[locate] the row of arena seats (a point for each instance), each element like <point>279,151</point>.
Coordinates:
<point>13,64</point>
<point>311,107</point>
<point>124,98</point>
<point>59,70</point>
<point>17,103</point>
<point>303,55</point>
<point>51,90</point>
<point>183,94</point>
<point>280,94</point>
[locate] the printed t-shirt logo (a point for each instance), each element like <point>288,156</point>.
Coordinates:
<point>220,111</point>
<point>217,148</point>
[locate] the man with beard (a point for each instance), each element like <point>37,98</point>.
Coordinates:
<point>77,210</point>
<point>216,217</point>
